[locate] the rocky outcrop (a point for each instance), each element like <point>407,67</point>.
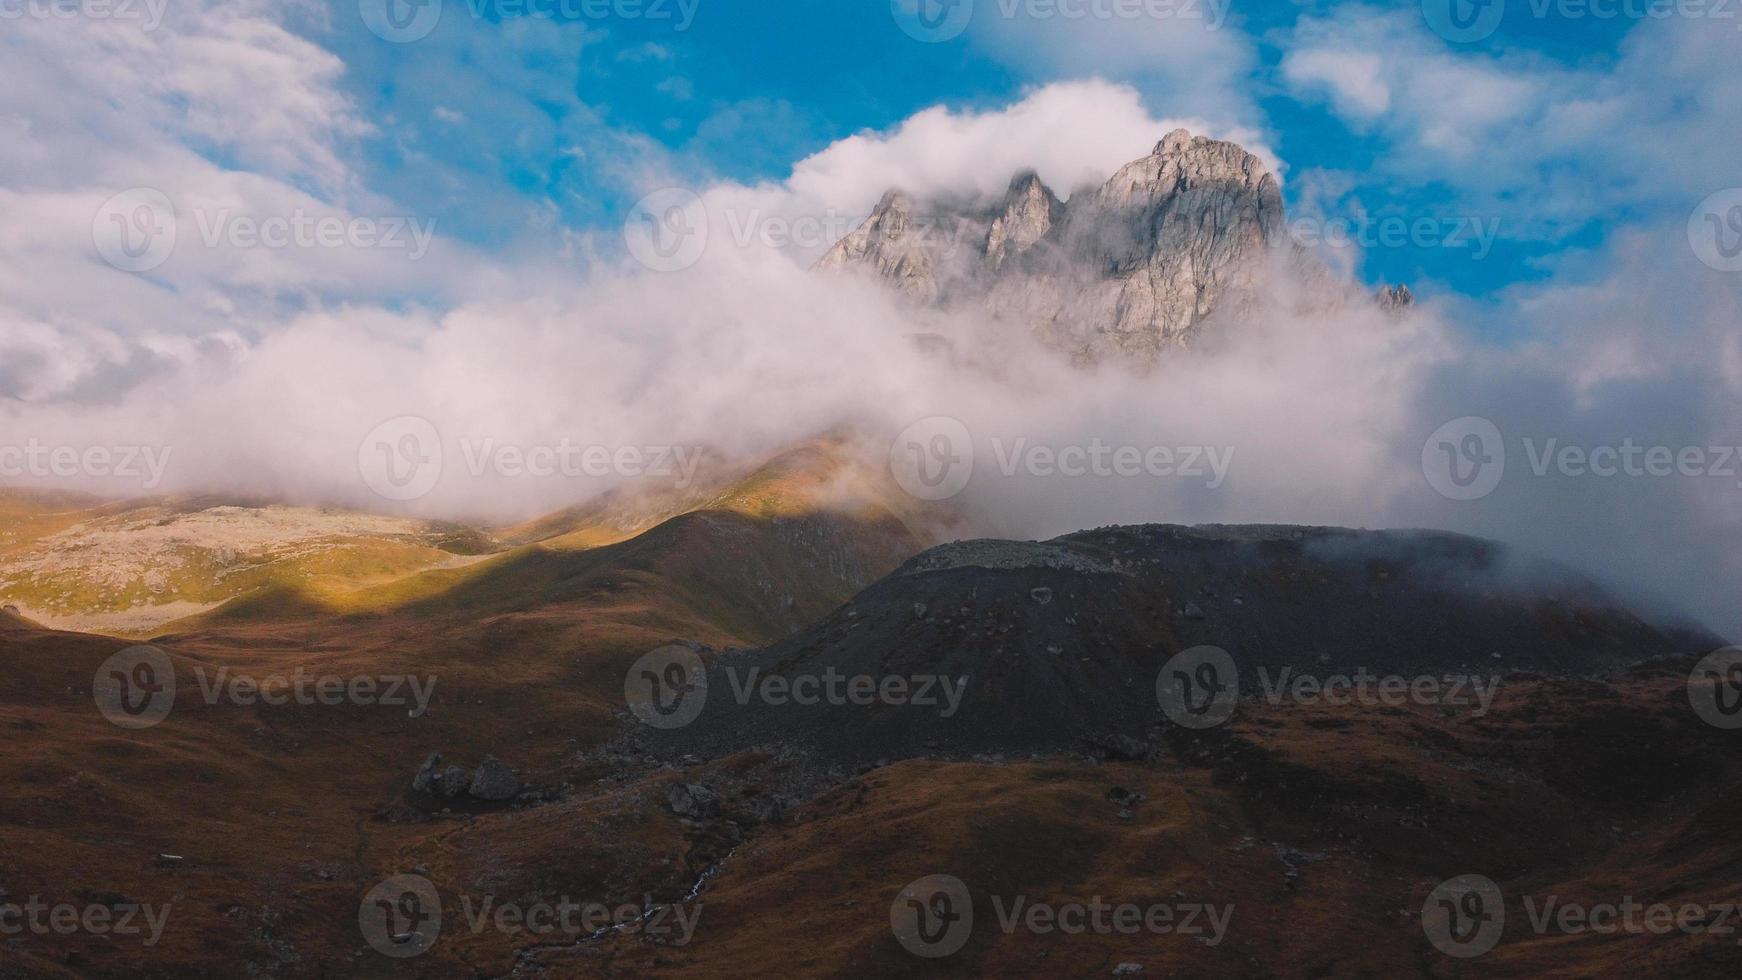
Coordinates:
<point>1128,269</point>
<point>493,781</point>
<point>1394,299</point>
<point>1131,267</point>
<point>694,801</point>
<point>992,670</point>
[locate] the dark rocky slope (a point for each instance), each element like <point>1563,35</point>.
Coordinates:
<point>1061,642</point>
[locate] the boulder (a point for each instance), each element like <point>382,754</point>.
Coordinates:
<point>693,800</point>
<point>494,781</point>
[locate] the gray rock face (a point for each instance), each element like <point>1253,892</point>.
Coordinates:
<point>1394,299</point>
<point>429,774</point>
<point>493,780</point>
<point>694,801</point>
<point>433,778</point>
<point>452,782</point>
<point>1130,268</point>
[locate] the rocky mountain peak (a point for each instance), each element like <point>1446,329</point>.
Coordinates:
<point>1394,299</point>
<point>1028,212</point>
<point>1128,269</point>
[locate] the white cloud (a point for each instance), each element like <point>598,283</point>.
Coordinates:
<point>1071,133</point>
<point>1548,144</point>
<point>1352,78</point>
<point>1187,57</point>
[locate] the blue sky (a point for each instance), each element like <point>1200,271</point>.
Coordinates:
<point>541,117</point>
<point>1566,187</point>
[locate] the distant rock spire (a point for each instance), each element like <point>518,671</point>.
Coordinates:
<point>1127,269</point>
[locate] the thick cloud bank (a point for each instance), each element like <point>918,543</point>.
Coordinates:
<point>281,373</point>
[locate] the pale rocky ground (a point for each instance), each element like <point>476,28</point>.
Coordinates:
<point>151,565</point>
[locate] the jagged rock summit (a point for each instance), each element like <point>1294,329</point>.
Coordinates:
<point>1128,269</point>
